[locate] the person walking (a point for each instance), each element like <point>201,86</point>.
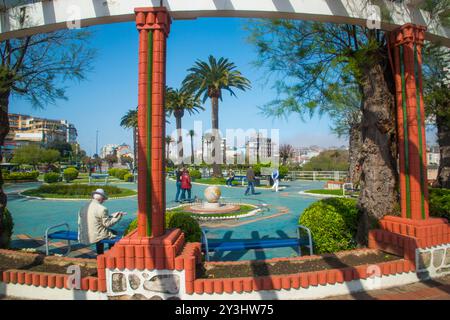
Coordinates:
<point>230,179</point>
<point>178,183</point>
<point>186,185</point>
<point>250,180</point>
<point>276,179</point>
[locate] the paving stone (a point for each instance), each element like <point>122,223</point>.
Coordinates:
<point>163,283</point>
<point>424,259</point>
<point>134,281</point>
<point>447,257</point>
<point>438,256</point>
<point>119,282</point>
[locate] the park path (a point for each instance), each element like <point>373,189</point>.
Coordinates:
<point>435,289</point>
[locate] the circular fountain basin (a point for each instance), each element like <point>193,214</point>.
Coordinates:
<point>208,208</point>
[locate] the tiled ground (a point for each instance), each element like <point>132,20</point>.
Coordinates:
<point>436,289</point>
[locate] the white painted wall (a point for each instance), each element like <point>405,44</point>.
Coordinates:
<point>52,15</point>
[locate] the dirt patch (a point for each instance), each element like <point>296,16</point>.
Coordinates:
<point>293,266</point>
<point>42,263</point>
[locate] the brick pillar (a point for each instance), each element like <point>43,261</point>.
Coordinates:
<point>153,25</point>
<point>406,45</point>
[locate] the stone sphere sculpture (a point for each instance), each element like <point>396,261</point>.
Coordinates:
<point>212,194</point>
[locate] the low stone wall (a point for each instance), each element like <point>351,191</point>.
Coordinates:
<point>165,268</point>
<point>433,261</point>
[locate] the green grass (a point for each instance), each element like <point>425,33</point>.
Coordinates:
<point>337,192</point>
<point>331,192</point>
<point>75,191</point>
<point>244,210</point>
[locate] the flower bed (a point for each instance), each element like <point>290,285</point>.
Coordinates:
<point>212,270</point>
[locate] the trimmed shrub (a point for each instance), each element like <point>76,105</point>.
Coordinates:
<point>52,177</point>
<point>283,170</point>
<point>439,203</point>
<point>195,174</point>
<point>185,222</point>
<point>128,177</point>
<point>333,224</point>
<point>120,173</point>
<point>8,226</point>
<point>17,176</point>
<point>70,174</point>
<point>112,171</point>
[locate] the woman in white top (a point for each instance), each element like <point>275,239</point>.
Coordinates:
<point>276,180</point>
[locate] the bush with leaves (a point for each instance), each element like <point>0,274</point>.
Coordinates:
<point>195,174</point>
<point>70,174</point>
<point>183,221</point>
<point>8,226</point>
<point>18,176</point>
<point>120,173</point>
<point>283,170</point>
<point>52,177</point>
<point>333,224</point>
<point>439,203</point>
<point>128,177</point>
<point>112,172</point>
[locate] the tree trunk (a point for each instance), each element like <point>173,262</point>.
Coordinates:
<point>379,194</point>
<point>443,133</point>
<point>179,140</point>
<point>4,130</point>
<point>355,145</point>
<point>215,138</point>
<point>192,150</point>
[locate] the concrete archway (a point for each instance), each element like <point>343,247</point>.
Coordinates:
<point>51,15</point>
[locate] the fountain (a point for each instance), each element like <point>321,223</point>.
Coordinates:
<point>212,205</point>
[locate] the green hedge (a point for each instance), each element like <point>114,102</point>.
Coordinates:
<point>8,226</point>
<point>112,172</point>
<point>195,174</point>
<point>186,223</point>
<point>17,176</point>
<point>52,177</point>
<point>75,191</point>
<point>70,174</point>
<point>128,177</point>
<point>333,224</point>
<point>439,203</point>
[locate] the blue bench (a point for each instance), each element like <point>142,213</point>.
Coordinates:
<point>240,245</point>
<point>66,234</point>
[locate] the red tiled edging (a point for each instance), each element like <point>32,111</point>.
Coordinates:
<point>293,281</point>
<point>44,279</point>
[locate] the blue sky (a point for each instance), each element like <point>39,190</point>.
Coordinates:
<point>111,89</point>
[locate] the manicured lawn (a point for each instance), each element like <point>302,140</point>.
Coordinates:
<point>337,192</point>
<point>75,191</point>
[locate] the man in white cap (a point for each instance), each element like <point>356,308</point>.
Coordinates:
<point>94,221</point>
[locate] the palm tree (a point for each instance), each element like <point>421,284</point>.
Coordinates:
<point>208,79</point>
<point>191,134</point>
<point>169,141</point>
<point>177,103</point>
<point>130,121</point>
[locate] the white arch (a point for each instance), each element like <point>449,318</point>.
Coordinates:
<point>51,15</point>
